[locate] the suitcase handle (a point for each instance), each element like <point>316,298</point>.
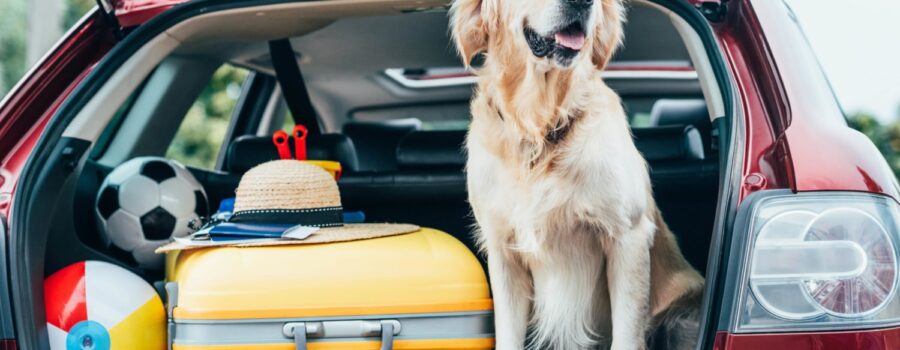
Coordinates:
<point>302,331</point>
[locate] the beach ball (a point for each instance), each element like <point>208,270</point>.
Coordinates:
<point>100,306</point>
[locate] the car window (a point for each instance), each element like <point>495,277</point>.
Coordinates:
<point>202,132</point>
<point>450,116</point>
<point>289,123</point>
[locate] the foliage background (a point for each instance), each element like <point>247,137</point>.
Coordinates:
<point>199,139</point>
<point>200,136</point>
<point>12,43</point>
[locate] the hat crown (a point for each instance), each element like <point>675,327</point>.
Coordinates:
<point>286,184</point>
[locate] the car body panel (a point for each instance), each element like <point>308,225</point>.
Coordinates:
<point>827,154</point>
<point>132,13</point>
<point>28,107</point>
<point>855,340</point>
<point>765,155</point>
<point>797,135</point>
<point>808,126</point>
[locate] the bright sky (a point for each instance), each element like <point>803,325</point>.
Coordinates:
<point>858,44</point>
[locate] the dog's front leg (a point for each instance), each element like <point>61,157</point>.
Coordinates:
<point>510,284</point>
<point>628,271</point>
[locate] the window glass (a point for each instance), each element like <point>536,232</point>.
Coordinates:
<point>452,116</point>
<point>202,132</point>
<point>289,124</point>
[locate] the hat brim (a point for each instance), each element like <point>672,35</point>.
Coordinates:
<point>346,233</point>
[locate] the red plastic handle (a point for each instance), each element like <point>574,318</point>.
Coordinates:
<point>280,139</point>
<point>299,135</point>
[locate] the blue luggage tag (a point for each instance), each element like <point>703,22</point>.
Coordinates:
<point>229,231</point>
<point>226,205</point>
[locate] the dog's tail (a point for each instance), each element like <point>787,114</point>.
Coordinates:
<point>678,327</point>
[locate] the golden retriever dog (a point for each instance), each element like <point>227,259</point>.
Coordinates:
<point>577,250</point>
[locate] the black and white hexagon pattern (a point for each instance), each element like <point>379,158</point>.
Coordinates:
<point>144,202</point>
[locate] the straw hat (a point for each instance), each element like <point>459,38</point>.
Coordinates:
<point>297,193</point>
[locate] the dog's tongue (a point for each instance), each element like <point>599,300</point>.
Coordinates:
<point>572,40</point>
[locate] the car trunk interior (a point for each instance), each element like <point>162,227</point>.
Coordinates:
<point>399,144</point>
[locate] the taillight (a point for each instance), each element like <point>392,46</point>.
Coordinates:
<point>819,261</point>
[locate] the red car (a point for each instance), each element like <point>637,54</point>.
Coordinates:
<point>791,215</point>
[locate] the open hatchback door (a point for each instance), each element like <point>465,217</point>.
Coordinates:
<point>131,13</point>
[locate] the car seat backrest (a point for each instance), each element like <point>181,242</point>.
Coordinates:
<point>679,112</point>
<point>432,150</point>
<point>669,143</point>
<point>248,151</point>
<point>376,143</point>
<point>668,112</point>
<point>444,150</point>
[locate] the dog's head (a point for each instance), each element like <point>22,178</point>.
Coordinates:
<point>563,33</point>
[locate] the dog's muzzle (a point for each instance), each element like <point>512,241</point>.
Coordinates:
<point>567,38</point>
<point>540,46</point>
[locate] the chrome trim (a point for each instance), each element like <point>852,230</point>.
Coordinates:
<point>396,74</point>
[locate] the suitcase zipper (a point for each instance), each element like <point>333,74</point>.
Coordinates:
<point>301,331</point>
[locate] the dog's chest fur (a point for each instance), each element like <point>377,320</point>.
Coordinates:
<point>589,178</point>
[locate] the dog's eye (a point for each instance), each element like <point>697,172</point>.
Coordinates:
<point>478,60</point>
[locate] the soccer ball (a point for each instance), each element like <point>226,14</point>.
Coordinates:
<point>144,202</point>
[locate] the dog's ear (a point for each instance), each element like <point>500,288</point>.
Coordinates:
<point>608,33</point>
<point>470,27</point>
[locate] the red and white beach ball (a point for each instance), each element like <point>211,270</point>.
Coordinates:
<point>98,305</point>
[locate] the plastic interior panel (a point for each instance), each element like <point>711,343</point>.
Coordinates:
<point>6,325</point>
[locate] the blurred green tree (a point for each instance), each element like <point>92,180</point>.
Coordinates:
<point>200,136</point>
<point>12,36</point>
<point>75,9</point>
<point>885,137</point>
<point>12,44</point>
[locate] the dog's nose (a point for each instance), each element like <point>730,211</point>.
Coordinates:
<point>580,3</point>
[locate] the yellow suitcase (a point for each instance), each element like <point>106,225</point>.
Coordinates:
<point>423,290</point>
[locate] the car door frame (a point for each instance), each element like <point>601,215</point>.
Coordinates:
<point>24,115</point>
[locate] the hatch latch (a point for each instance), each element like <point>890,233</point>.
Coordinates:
<point>109,11</point>
<point>713,10</point>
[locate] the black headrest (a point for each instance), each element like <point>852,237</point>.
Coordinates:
<point>249,151</point>
<point>432,150</point>
<point>667,143</point>
<point>679,112</point>
<point>444,149</point>
<point>376,142</point>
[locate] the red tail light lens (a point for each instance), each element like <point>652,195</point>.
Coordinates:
<point>819,261</point>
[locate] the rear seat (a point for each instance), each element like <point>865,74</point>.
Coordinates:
<point>436,150</point>
<point>692,112</point>
<point>248,151</point>
<point>428,188</point>
<point>376,142</point>
<point>687,192</point>
<point>428,185</point>
<point>432,150</point>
